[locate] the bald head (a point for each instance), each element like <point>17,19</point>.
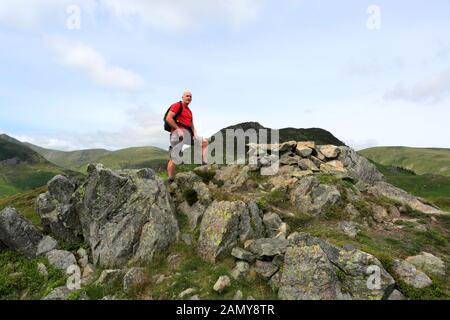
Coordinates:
<point>187,97</point>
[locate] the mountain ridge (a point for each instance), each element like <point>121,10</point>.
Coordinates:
<point>318,135</point>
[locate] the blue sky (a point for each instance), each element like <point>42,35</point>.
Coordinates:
<point>292,63</point>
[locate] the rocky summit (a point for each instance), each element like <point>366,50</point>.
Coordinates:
<point>313,230</point>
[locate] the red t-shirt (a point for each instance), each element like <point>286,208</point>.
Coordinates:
<point>185,117</point>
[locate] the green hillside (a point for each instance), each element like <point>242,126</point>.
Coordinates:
<point>129,158</point>
<point>134,158</point>
<point>21,168</point>
<point>420,160</point>
<point>71,159</point>
<point>434,188</point>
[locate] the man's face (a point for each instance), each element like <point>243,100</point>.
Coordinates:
<point>187,98</point>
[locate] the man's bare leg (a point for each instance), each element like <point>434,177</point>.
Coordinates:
<point>204,149</point>
<point>171,170</point>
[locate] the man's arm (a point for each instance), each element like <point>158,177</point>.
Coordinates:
<point>171,121</point>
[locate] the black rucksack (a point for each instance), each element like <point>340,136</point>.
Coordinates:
<point>167,126</point>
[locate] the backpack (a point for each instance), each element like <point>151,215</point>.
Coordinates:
<point>167,126</point>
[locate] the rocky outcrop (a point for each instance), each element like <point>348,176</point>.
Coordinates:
<point>57,212</point>
<point>363,276</point>
<point>193,212</point>
<point>347,274</point>
<point>240,270</point>
<point>134,278</point>
<point>232,177</point>
<point>308,275</point>
<point>22,236</point>
<point>389,191</point>
<point>301,163</point>
<point>267,247</point>
<point>225,225</point>
<point>428,263</point>
<point>125,216</point>
<point>61,259</point>
<point>59,293</point>
<point>410,275</point>
<point>222,284</point>
<point>358,167</point>
<point>313,198</point>
<point>339,160</point>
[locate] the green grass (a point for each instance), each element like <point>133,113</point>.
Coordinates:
<point>194,272</point>
<point>27,283</point>
<point>262,204</point>
<point>24,177</point>
<point>328,179</point>
<point>431,187</point>
<point>433,292</point>
<point>278,199</point>
<point>24,203</point>
<point>420,160</point>
<point>299,221</point>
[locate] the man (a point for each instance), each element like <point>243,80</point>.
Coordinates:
<point>183,129</point>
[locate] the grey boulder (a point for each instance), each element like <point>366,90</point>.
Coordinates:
<point>308,275</point>
<point>126,216</point>
<point>57,212</point>
<point>427,262</point>
<point>410,275</point>
<point>61,259</point>
<point>224,225</point>
<point>267,247</point>
<point>19,234</point>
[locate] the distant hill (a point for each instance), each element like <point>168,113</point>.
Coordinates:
<point>134,158</point>
<point>71,159</point>
<point>420,160</point>
<point>320,136</point>
<point>21,168</point>
<point>129,158</point>
<point>12,150</point>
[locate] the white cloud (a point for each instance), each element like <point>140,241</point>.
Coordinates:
<point>47,142</point>
<point>431,90</point>
<point>171,15</point>
<point>111,140</point>
<point>79,56</point>
<point>372,67</point>
<point>145,129</point>
<point>178,15</point>
<point>362,144</point>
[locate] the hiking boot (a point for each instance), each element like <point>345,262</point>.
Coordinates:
<point>171,180</point>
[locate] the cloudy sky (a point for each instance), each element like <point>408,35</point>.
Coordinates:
<point>101,73</point>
